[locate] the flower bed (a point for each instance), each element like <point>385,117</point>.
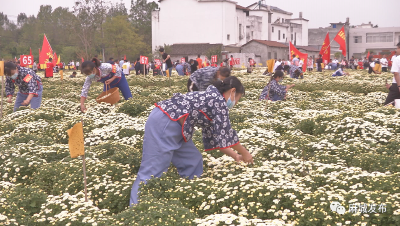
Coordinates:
<point>331,140</point>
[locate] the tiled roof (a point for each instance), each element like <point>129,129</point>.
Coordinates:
<point>193,49</point>
<point>242,8</point>
<point>269,43</point>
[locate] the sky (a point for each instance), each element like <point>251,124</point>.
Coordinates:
<point>319,13</point>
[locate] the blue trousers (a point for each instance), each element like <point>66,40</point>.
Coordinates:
<point>162,144</point>
<point>35,102</point>
<point>275,97</point>
<point>121,83</point>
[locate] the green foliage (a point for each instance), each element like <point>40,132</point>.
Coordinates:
<point>22,203</point>
<point>121,37</point>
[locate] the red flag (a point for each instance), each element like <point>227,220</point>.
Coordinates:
<point>300,55</point>
<point>341,39</point>
<point>46,52</point>
<point>124,57</point>
<point>368,55</point>
<point>82,59</point>
<point>30,51</point>
<point>326,49</point>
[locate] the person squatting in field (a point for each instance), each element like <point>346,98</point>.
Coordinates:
<point>273,90</point>
<point>110,75</point>
<point>170,127</point>
<point>202,78</point>
<point>29,84</point>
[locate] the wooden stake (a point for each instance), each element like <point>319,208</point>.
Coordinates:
<point>84,168</point>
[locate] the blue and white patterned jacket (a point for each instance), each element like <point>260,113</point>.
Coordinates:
<point>205,109</point>
<point>27,81</point>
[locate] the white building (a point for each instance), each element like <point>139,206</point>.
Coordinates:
<point>380,41</point>
<point>224,22</point>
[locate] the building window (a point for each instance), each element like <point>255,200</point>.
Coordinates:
<point>379,37</point>
<point>279,34</point>
<point>357,39</point>
<point>333,25</point>
<point>291,37</point>
<point>228,37</point>
<point>283,20</point>
<point>275,55</point>
<point>252,34</point>
<point>272,29</point>
<point>247,13</point>
<point>283,36</point>
<point>269,55</point>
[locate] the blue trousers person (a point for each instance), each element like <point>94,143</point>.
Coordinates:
<point>35,102</point>
<point>275,97</point>
<point>121,83</point>
<point>162,144</point>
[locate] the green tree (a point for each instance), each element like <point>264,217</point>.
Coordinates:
<point>118,9</point>
<point>89,17</point>
<point>121,38</point>
<point>141,18</point>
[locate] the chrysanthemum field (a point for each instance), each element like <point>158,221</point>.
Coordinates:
<point>331,140</point>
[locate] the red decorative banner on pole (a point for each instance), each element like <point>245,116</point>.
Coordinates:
<point>300,55</point>
<point>183,60</point>
<point>46,52</point>
<point>214,59</point>
<point>341,40</point>
<point>326,49</point>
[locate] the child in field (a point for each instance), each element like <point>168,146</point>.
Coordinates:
<point>340,72</point>
<point>273,91</point>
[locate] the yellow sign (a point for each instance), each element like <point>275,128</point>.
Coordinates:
<point>61,74</point>
<point>1,68</point>
<point>75,142</point>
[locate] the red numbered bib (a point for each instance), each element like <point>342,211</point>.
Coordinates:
<point>27,78</point>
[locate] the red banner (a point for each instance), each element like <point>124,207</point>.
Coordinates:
<point>183,60</point>
<point>341,40</point>
<point>237,61</point>
<point>300,55</point>
<point>144,60</point>
<point>214,59</point>
<point>158,62</point>
<point>26,60</point>
<point>46,52</point>
<point>326,49</point>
